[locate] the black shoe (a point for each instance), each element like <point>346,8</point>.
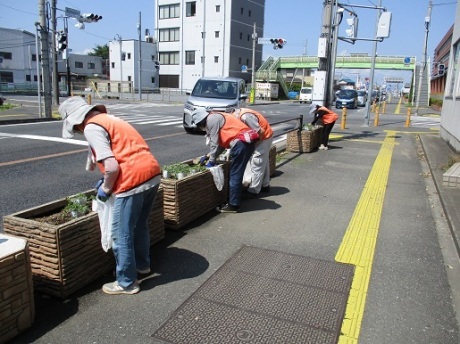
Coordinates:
<point>265,189</point>
<point>248,195</point>
<point>228,208</point>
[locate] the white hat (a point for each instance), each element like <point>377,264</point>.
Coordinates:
<point>73,111</point>
<point>198,115</point>
<point>314,106</point>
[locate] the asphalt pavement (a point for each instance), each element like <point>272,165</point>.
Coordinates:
<point>315,202</point>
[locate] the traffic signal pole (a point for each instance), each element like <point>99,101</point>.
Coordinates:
<point>55,55</point>
<point>253,74</point>
<point>45,58</point>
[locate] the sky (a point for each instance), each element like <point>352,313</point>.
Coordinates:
<point>297,21</point>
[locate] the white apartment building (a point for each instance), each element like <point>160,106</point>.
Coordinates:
<point>207,38</point>
<point>125,64</point>
<point>18,58</point>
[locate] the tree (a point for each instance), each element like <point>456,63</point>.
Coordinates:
<point>100,50</point>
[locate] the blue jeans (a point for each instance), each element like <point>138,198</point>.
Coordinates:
<point>240,154</point>
<point>130,234</point>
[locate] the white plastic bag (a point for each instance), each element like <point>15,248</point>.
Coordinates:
<point>105,213</point>
<point>218,176</point>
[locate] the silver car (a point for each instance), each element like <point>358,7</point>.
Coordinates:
<point>223,94</point>
<point>362,98</point>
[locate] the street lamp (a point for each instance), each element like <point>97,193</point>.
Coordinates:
<point>120,42</point>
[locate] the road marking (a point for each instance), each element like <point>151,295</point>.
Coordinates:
<point>358,245</point>
<point>46,138</point>
<point>398,107</point>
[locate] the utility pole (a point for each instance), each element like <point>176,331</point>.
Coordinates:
<point>324,49</point>
<point>45,58</point>
<point>424,62</point>
<point>140,57</point>
<point>55,55</point>
<point>253,74</point>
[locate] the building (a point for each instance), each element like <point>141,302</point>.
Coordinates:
<point>441,63</point>
<point>18,59</point>
<point>207,38</point>
<point>450,115</point>
<point>125,65</point>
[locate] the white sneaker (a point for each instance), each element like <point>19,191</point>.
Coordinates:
<point>114,288</point>
<point>322,147</point>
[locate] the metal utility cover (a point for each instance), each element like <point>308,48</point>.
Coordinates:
<point>264,296</point>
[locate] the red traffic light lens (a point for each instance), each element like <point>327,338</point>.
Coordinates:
<point>280,41</point>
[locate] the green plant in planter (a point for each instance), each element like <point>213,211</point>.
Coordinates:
<point>175,169</point>
<point>78,205</point>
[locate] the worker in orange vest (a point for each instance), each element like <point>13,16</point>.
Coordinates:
<point>328,118</point>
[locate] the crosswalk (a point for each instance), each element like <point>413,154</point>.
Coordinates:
<point>141,114</point>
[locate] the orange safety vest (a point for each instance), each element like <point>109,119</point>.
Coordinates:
<point>268,132</point>
<point>137,164</point>
<point>328,117</point>
<point>230,130</point>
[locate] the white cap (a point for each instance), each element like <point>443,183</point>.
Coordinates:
<point>314,106</point>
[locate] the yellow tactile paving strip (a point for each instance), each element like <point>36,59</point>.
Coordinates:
<point>358,245</point>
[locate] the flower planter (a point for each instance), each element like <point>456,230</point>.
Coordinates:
<point>272,160</point>
<point>66,257</point>
<point>303,141</point>
<point>191,197</point>
<point>17,298</point>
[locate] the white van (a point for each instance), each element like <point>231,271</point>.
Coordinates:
<point>223,94</point>
<point>306,95</point>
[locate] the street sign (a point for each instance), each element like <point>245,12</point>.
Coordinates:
<point>244,69</point>
<point>262,40</point>
<point>72,13</point>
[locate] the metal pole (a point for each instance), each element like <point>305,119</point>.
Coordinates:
<point>335,34</point>
<point>39,83</point>
<point>121,62</point>
<point>45,58</point>
<point>253,74</point>
<point>55,55</point>
<point>140,57</point>
<point>423,66</point>
<point>371,78</point>
<point>67,65</point>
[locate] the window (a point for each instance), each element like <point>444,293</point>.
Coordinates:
<point>453,73</point>
<point>6,77</point>
<point>242,10</point>
<point>34,57</point>
<point>113,64</point>
<point>190,10</point>
<point>6,55</point>
<point>239,60</point>
<point>216,59</point>
<point>129,56</point>
<point>28,77</point>
<point>169,11</point>
<point>129,78</point>
<point>249,13</point>
<point>35,78</point>
<point>241,35</point>
<point>152,79</point>
<point>169,58</point>
<point>169,35</point>
<point>249,37</point>
<point>216,34</point>
<point>78,64</point>
<point>217,8</point>
<point>190,57</point>
<point>247,62</point>
<point>91,65</point>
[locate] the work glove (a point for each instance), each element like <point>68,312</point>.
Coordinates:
<point>101,194</point>
<point>99,183</point>
<point>203,159</point>
<point>210,164</point>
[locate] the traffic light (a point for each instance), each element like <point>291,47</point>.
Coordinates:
<point>61,38</point>
<point>90,18</point>
<point>441,69</point>
<point>278,43</point>
<point>157,65</point>
<point>352,31</point>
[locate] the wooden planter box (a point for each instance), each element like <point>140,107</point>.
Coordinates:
<point>272,160</point>
<point>303,141</point>
<point>17,310</point>
<point>66,257</point>
<point>187,199</point>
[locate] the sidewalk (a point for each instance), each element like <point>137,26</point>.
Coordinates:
<point>306,213</point>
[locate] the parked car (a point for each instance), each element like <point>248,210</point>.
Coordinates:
<point>222,94</point>
<point>2,99</point>
<point>362,98</point>
<point>347,98</point>
<point>306,95</point>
